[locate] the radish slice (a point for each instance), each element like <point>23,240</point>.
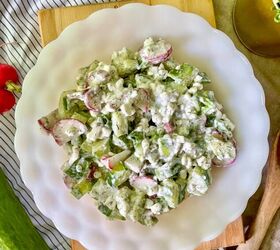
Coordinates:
<point>111,162</point>
<point>223,163</point>
<point>105,161</point>
<point>67,129</point>
<point>144,183</point>
<point>68,181</point>
<point>44,125</point>
<point>90,174</point>
<point>133,163</point>
<point>47,122</point>
<point>156,53</point>
<point>92,100</point>
<point>160,58</point>
<point>168,127</point>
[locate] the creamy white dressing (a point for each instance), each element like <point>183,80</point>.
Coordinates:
<point>148,133</point>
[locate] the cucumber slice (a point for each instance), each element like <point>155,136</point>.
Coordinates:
<point>198,181</point>
<point>225,152</point>
<point>167,170</point>
<point>125,62</point>
<point>169,190</point>
<point>133,163</point>
<point>145,184</point>
<point>182,184</point>
<point>118,175</point>
<point>81,116</point>
<point>185,74</point>
<point>137,210</point>
<point>165,144</point>
<point>123,200</point>
<point>86,146</point>
<point>119,124</point>
<point>81,188</point>
<point>122,142</point>
<point>63,106</point>
<point>67,129</point>
<point>110,213</point>
<point>100,147</point>
<point>111,162</point>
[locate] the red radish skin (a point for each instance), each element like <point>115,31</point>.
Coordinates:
<point>162,58</point>
<point>7,74</point>
<point>105,160</point>
<point>157,58</point>
<point>111,161</point>
<point>219,163</point>
<point>47,122</point>
<point>91,101</point>
<point>42,124</point>
<point>8,84</point>
<point>59,142</point>
<point>91,172</point>
<point>7,100</point>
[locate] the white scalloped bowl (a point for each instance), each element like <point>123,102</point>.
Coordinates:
<point>195,41</point>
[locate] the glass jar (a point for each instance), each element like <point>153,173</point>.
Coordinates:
<point>255,26</point>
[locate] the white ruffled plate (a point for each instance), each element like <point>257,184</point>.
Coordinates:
<point>195,41</point>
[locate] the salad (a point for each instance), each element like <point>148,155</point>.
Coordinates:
<point>142,133</point>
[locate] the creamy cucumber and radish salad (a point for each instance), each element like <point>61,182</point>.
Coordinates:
<point>141,132</point>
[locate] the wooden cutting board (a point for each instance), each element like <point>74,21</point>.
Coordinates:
<point>53,21</point>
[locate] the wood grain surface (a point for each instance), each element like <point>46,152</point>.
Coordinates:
<point>270,202</point>
<point>53,21</point>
